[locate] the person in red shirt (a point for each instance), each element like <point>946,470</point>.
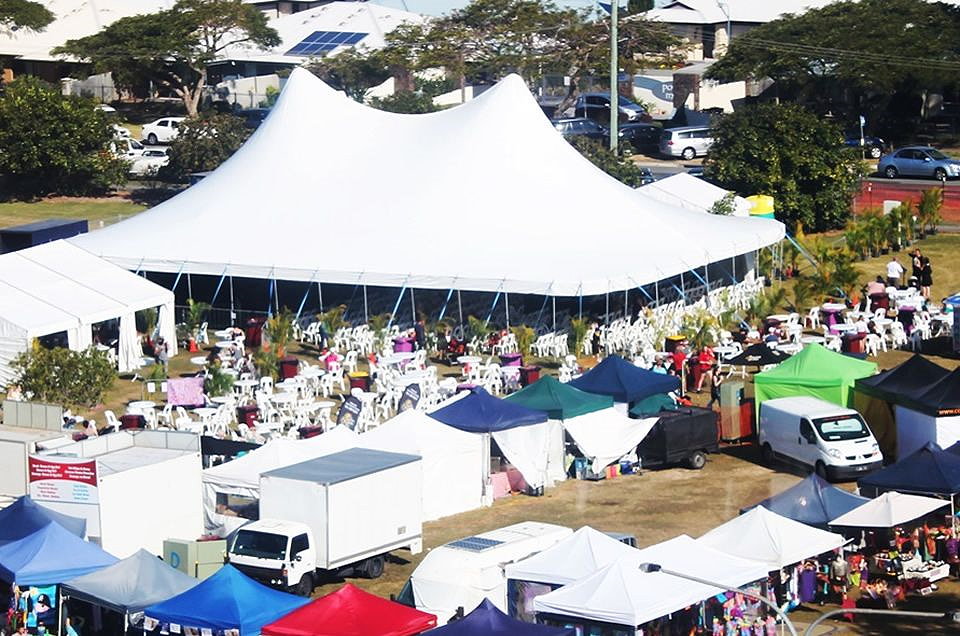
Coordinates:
<point>705,359</point>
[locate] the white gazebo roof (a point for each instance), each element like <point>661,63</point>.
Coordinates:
<point>692,193</point>
<point>888,510</point>
<point>486,196</point>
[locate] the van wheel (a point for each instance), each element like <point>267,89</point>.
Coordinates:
<point>697,460</point>
<point>766,455</point>
<point>305,586</point>
<point>821,470</point>
<point>688,153</point>
<point>372,568</point>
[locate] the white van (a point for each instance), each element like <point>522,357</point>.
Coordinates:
<point>831,439</point>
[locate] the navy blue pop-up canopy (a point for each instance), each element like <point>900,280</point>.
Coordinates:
<point>813,501</point>
<point>487,620</point>
<point>480,412</point>
<point>623,381</point>
<point>929,471</point>
<point>226,600</point>
<point>25,516</point>
<point>49,556</point>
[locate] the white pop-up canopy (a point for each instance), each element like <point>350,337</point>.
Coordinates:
<point>241,477</point>
<point>578,556</point>
<point>888,510</point>
<point>58,287</point>
<point>692,193</point>
<point>390,190</point>
<point>766,536</point>
<point>607,435</point>
<point>451,460</point>
<point>622,594</point>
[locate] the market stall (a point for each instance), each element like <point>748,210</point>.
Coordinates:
<point>25,516</point>
<point>226,601</point>
<point>889,510</point>
<point>351,612</point>
<point>928,471</point>
<point>487,620</point>
<point>623,381</point>
<point>929,414</point>
<point>813,501</point>
<point>815,372</point>
<point>522,434</point>
<point>451,460</point>
<point>49,556</point>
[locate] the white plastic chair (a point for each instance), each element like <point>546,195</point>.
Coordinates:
<point>812,318</point>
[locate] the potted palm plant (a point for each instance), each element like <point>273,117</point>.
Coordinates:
<point>196,312</point>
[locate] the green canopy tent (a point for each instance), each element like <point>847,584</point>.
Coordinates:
<point>815,372</point>
<point>560,401</point>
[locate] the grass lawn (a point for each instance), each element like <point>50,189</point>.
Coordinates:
<point>98,212</point>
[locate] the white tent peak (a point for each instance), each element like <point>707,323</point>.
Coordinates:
<point>391,189</point>
<point>888,510</point>
<point>581,554</point>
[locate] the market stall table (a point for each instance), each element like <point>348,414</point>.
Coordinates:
<point>403,344</point>
<point>139,406</point>
<point>397,357</point>
<point>469,360</point>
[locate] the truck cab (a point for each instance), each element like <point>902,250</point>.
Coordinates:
<point>831,439</point>
<point>277,553</point>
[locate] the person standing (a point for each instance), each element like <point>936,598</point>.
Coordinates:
<point>420,334</point>
<point>894,272</point>
<point>926,277</point>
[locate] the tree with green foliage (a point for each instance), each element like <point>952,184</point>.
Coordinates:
<point>203,144</point>
<point>791,154</point>
<point>172,48</point>
<point>873,57</point>
<point>617,164</point>
<point>51,143</point>
<point>61,376</point>
<point>353,71</point>
<point>407,102</point>
<point>24,14</point>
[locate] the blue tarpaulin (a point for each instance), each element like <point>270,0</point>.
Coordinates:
<point>812,501</point>
<point>226,600</point>
<point>49,556</point>
<point>624,382</point>
<point>480,412</point>
<point>487,620</point>
<point>25,516</point>
<point>929,471</point>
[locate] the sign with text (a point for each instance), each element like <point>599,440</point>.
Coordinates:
<point>410,398</point>
<point>64,479</point>
<point>349,413</point>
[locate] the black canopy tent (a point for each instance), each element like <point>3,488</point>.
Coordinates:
<point>758,355</point>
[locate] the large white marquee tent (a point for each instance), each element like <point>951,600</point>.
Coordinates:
<point>58,287</point>
<point>379,194</point>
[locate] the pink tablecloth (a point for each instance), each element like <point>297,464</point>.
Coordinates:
<point>185,391</point>
<point>500,484</point>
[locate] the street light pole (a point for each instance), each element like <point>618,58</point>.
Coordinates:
<point>614,73</point>
<point>654,567</point>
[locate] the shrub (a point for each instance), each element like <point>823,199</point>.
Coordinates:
<point>61,376</point>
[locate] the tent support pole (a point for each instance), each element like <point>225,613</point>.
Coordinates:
<point>506,307</point>
<point>276,295</point>
<point>232,313</point>
<point>219,285</point>
<point>656,290</point>
<point>413,307</point>
<point>306,295</point>
<point>683,289</point>
<point>460,306</point>
<point>606,315</point>
<point>366,309</point>
<point>443,310</point>
<point>189,286</point>
<point>580,303</point>
<point>496,299</point>
<point>176,281</point>
<point>59,609</point>
<point>554,298</point>
<point>396,305</point>
<point>320,294</point>
<point>626,304</point>
<point>733,267</point>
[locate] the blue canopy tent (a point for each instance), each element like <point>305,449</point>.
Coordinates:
<point>25,516</point>
<point>813,501</point>
<point>623,381</point>
<point>49,556</point>
<point>487,620</point>
<point>480,412</point>
<point>929,471</point>
<point>226,600</point>
<point>512,426</point>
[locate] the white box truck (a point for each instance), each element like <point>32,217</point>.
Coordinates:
<point>832,440</point>
<point>342,511</point>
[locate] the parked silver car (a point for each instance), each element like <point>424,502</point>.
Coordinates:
<point>686,142</point>
<point>918,161</point>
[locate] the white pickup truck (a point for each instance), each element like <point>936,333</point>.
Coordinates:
<point>342,511</point>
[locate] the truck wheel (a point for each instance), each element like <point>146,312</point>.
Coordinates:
<point>697,460</point>
<point>821,470</point>
<point>766,455</point>
<point>372,568</point>
<point>304,587</point>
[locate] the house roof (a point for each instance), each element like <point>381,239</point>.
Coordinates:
<point>73,19</point>
<point>711,12</point>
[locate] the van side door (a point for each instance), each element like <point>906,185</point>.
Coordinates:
<point>807,449</point>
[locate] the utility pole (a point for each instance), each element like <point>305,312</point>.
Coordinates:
<point>614,74</point>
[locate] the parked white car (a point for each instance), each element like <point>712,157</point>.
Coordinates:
<point>127,148</point>
<point>149,163</point>
<point>161,131</point>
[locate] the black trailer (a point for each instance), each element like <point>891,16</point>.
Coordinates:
<point>681,436</point>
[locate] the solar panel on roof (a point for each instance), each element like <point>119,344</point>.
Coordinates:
<point>474,544</point>
<point>320,42</point>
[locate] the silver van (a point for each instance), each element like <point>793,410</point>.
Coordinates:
<point>687,142</point>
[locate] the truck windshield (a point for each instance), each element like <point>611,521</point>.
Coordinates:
<point>262,545</point>
<point>840,428</point>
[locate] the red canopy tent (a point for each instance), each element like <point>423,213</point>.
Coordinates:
<point>351,612</point>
